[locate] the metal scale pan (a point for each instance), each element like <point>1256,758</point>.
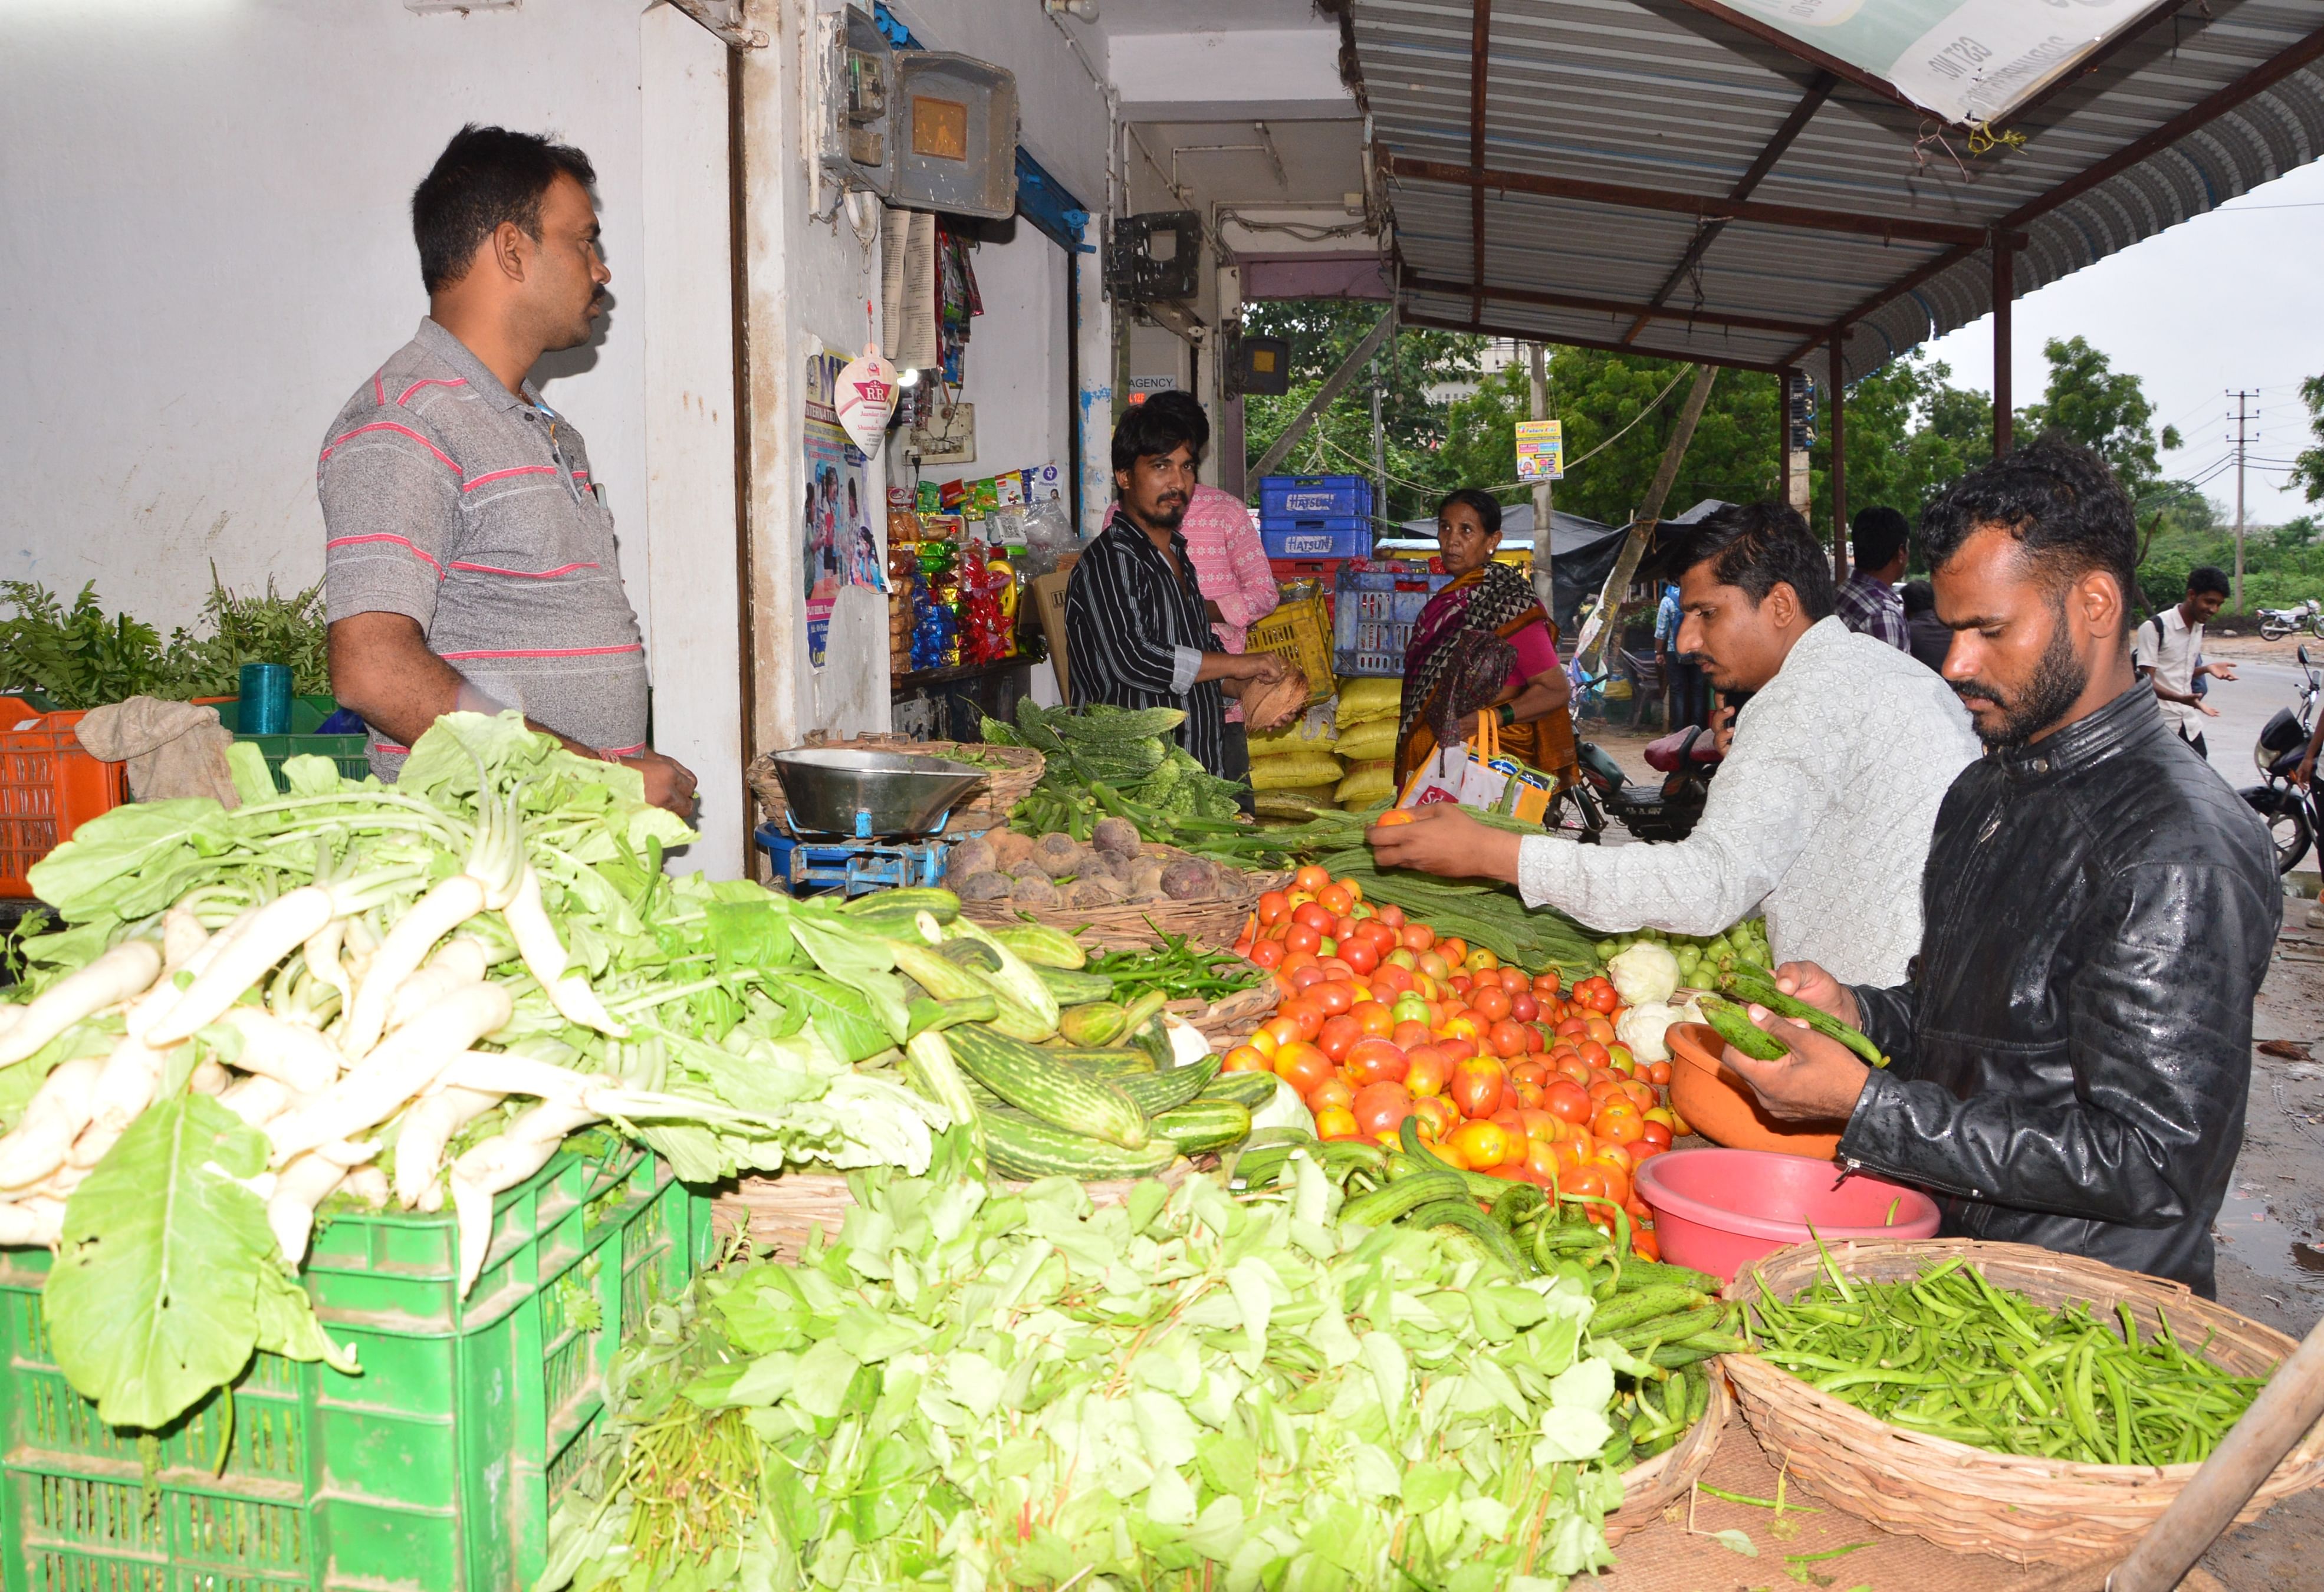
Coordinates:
<point>854,819</point>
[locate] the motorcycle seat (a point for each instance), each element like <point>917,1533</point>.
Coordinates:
<point>1668,753</point>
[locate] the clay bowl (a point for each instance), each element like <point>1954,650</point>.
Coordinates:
<point>1721,1108</point>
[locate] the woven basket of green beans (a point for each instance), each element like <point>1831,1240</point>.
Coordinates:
<point>1998,1398</point>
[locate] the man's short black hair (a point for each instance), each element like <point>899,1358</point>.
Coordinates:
<point>1148,431</point>
<point>1920,597</point>
<point>2058,498</point>
<point>2207,578</point>
<point>1758,547</point>
<point>1877,536</point>
<point>1487,506</point>
<point>485,176</point>
<point>1182,403</point>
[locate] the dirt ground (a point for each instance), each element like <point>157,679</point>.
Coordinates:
<point>2271,1231</point>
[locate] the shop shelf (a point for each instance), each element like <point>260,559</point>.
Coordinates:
<point>434,1469</point>
<point>49,786</point>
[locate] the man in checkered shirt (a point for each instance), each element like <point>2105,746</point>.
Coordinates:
<point>1868,603</point>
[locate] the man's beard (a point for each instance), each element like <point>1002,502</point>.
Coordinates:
<point>1166,515</point>
<point>2058,683</point>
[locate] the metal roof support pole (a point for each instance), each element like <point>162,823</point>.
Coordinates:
<point>2004,279</point>
<point>1333,385</point>
<point>1543,560</point>
<point>1839,455</point>
<point>1797,488</point>
<point>1480,41</point>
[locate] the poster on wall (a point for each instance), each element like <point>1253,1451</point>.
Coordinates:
<point>1541,450</point>
<point>840,547</point>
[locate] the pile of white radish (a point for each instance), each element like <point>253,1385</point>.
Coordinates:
<point>329,1042</point>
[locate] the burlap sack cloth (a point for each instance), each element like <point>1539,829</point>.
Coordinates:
<point>173,749</point>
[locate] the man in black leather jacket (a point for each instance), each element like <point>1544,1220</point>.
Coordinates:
<point>2071,1058</point>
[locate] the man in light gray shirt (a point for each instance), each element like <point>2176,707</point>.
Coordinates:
<point>1822,813</point>
<point>470,559</point>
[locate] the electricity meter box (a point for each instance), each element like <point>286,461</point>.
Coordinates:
<point>922,129</point>
<point>1156,257</point>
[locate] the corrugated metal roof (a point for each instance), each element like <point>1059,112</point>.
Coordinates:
<point>1654,95</point>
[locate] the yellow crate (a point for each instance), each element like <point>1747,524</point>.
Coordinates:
<point>1300,632</point>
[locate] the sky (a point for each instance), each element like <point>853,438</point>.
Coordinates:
<point>2234,299</point>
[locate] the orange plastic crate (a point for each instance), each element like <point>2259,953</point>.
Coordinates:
<point>49,786</point>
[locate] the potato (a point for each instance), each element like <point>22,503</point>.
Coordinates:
<point>1029,870</point>
<point>988,886</point>
<point>1010,849</point>
<point>1189,879</point>
<point>1058,854</point>
<point>971,858</point>
<point>1118,836</point>
<point>1034,893</point>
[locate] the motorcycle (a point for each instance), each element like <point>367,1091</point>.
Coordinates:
<point>1687,759</point>
<point>2289,810</point>
<point>2275,623</point>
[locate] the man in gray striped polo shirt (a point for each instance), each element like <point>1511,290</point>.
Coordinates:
<point>470,560</point>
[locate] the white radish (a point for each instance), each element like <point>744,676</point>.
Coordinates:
<point>257,1100</point>
<point>95,1142</point>
<point>182,935</point>
<point>305,1183</point>
<point>131,1079</point>
<point>322,950</point>
<point>369,1184</point>
<point>431,917</point>
<point>405,1063</point>
<point>126,971</point>
<point>546,959</point>
<point>284,1050</point>
<point>498,1072</point>
<point>31,1222</point>
<point>460,962</point>
<point>59,1109</point>
<point>428,1126</point>
<point>502,1163</point>
<point>278,929</point>
<point>208,1077</point>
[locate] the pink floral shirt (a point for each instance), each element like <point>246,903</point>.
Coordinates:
<point>1230,566</point>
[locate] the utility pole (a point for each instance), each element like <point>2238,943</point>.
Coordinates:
<point>2242,439</point>
<point>1379,441</point>
<point>1544,564</point>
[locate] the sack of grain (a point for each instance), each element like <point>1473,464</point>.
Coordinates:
<point>1311,732</point>
<point>1374,738</point>
<point>1370,698</point>
<point>1367,784</point>
<point>1288,771</point>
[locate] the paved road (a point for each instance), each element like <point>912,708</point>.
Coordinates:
<point>2264,682</point>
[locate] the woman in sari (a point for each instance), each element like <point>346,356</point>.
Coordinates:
<point>1483,645</point>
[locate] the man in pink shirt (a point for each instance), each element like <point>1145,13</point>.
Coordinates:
<point>1230,564</point>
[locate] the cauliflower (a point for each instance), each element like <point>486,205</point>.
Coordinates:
<point>1641,1028</point>
<point>1645,975</point>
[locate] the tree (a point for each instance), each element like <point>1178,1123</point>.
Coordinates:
<point>2308,469</point>
<point>1323,332</point>
<point>2090,402</point>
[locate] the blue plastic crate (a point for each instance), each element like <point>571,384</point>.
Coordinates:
<point>1349,537</point>
<point>1372,615</point>
<point>1314,496</point>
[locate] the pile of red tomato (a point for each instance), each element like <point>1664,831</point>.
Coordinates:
<point>1381,1019</point>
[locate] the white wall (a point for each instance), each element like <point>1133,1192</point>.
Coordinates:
<point>206,248</point>
<point>1015,366</point>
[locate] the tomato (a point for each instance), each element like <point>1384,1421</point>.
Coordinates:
<point>1477,1087</point>
<point>1302,1066</point>
<point>1598,1029</point>
<point>1601,999</point>
<point>1304,978</point>
<point>1335,1093</point>
<point>1354,887</point>
<point>1391,918</point>
<point>1448,1152</point>
<point>1524,1094</point>
<point>1454,951</point>
<point>1263,1042</point>
<point>1522,1007</point>
<point>1656,1133</point>
<point>1437,1117</point>
<point>1338,1035</point>
<point>1417,937</point>
<point>1481,961</point>
<point>1436,966</point>
<point>1266,953</point>
<point>1337,1123</point>
<point>1508,1038</point>
<point>1426,1069</point>
<point>1410,1009</point>
<point>1303,1010</point>
<point>1334,900</point>
<point>1574,1071</point>
<point>1405,1036</point>
<point>1541,1159</point>
<point>1614,1158</point>
<point>1245,1058</point>
<point>1619,1126</point>
<point>1376,1060</point>
<point>1343,928</point>
<point>1481,1144</point>
<point>1380,1106</point>
<point>1643,1245</point>
<point>1584,1180</point>
<point>1573,1028</point>
<point>1657,1073</point>
<point>1530,1071</point>
<point>1361,955</point>
<point>1391,977</point>
<point>1535,1040</point>
<point>1565,1100</point>
<point>1377,1019</point>
<point>1491,1001</point>
<point>1546,983</point>
<point>1641,1095</point>
<point>1392,817</point>
<point>1311,878</point>
<point>1302,937</point>
<point>1273,908</point>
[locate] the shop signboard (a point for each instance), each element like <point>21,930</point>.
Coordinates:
<point>1541,450</point>
<point>1972,62</point>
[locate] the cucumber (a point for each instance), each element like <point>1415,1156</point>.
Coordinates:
<point>904,904</point>
<point>1647,1305</point>
<point>1250,1091</point>
<point>1043,946</point>
<point>1019,1146</point>
<point>927,1014</point>
<point>1034,1080</point>
<point>1739,1031</point>
<point>1667,1328</point>
<point>1461,1216</point>
<point>1102,1063</point>
<point>1096,1022</point>
<point>1384,1204</point>
<point>1168,1087</point>
<point>1646,1273</point>
<point>1073,988</point>
<point>1200,1128</point>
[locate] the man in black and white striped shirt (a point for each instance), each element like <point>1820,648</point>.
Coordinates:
<point>1137,630</point>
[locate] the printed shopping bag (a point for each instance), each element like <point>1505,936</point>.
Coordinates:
<point>1478,776</point>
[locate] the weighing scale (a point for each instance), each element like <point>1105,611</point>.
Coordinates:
<point>863,821</point>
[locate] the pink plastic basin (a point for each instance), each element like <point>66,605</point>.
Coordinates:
<point>1719,1210</point>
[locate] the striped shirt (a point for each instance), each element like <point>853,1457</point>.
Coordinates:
<point>448,500</point>
<point>1136,632</point>
<point>1231,563</point>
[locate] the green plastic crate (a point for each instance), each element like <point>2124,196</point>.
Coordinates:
<point>347,752</point>
<point>433,1471</point>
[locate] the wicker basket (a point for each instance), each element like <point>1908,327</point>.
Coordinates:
<point>1973,1500</point>
<point>1215,926</point>
<point>783,1211</point>
<point>1015,769</point>
<point>1652,1485</point>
